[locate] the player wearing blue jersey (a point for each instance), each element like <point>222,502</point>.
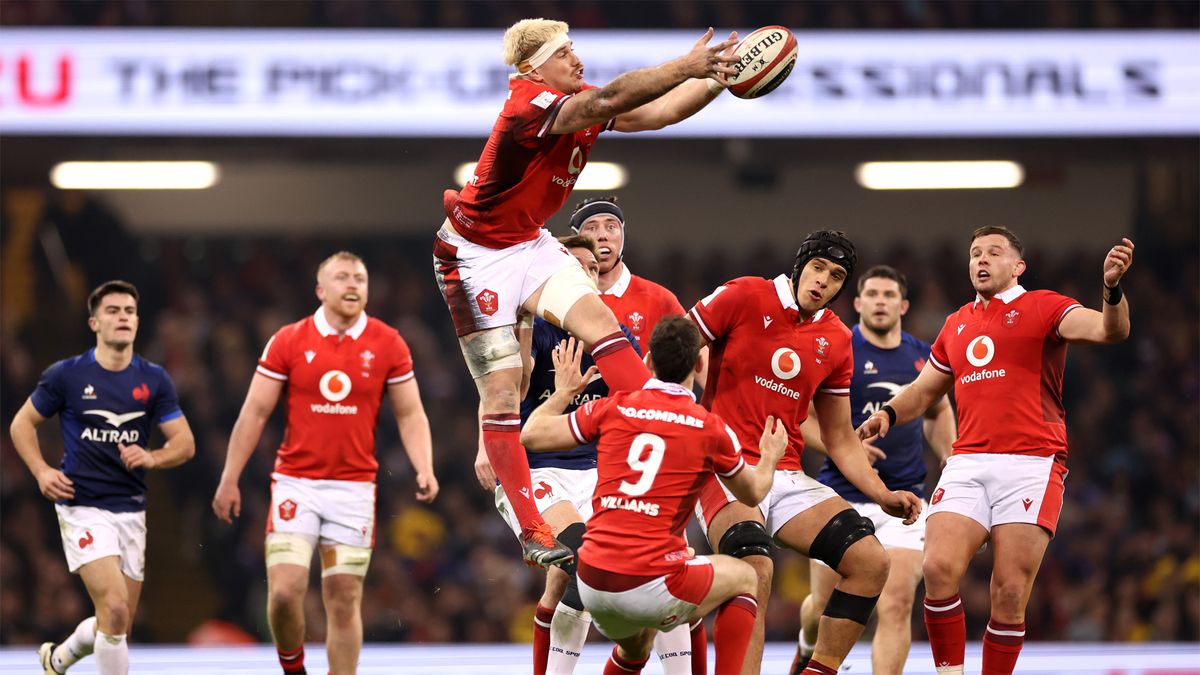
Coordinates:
<point>107,401</point>
<point>885,359</point>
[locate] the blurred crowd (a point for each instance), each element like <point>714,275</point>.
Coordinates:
<point>800,14</point>
<point>1124,566</point>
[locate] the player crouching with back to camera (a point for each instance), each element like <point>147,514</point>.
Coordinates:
<point>636,573</point>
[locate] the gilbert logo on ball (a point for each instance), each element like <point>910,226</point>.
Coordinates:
<point>765,59</point>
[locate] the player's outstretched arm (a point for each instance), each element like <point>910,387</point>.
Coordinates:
<point>846,451</point>
<point>1111,324</point>
<point>413,425</point>
<point>912,402</point>
<point>752,483</point>
<point>547,429</point>
<point>179,448</point>
<point>636,88</point>
<point>52,483</point>
<point>676,105</point>
<point>256,410</point>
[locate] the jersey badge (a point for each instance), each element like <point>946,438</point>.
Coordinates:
<point>870,369</point>
<point>1027,502</point>
<point>937,496</point>
<point>367,358</point>
<point>309,355</point>
<point>287,509</point>
<point>821,345</point>
<point>89,393</point>
<point>767,321</point>
<point>961,326</point>
<point>919,364</point>
<point>543,100</point>
<point>1011,317</point>
<point>635,321</point>
<point>141,393</point>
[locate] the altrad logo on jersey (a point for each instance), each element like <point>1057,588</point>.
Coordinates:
<point>116,434</point>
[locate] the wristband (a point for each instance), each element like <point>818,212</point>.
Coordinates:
<point>716,87</point>
<point>891,413</point>
<point>1113,294</point>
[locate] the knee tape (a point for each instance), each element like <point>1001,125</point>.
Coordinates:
<point>838,535</point>
<point>572,538</point>
<point>287,548</point>
<point>493,349</point>
<point>343,559</point>
<point>856,608</point>
<point>746,538</point>
<point>561,291</point>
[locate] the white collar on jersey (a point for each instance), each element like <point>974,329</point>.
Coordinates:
<point>671,388</point>
<point>783,288</point>
<point>325,329</point>
<point>1006,296</point>
<point>618,289</point>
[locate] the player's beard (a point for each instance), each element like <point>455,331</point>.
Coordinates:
<point>878,330</point>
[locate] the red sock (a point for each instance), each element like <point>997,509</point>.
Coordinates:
<point>541,638</point>
<point>947,628</point>
<point>619,365</point>
<point>501,442</point>
<point>699,649</point>
<point>619,666</point>
<point>1001,647</point>
<point>731,632</point>
<point>291,661</point>
<point>818,668</point>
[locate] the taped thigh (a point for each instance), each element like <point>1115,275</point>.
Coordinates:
<point>290,549</point>
<point>345,559</point>
<point>491,350</point>
<point>561,291</point>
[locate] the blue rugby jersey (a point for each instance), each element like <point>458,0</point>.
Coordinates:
<point>546,337</point>
<point>99,409</point>
<point>878,375</point>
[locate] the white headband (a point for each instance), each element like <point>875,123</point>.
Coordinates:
<point>543,53</point>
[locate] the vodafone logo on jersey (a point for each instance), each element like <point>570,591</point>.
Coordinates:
<point>335,386</point>
<point>980,352</point>
<point>785,363</point>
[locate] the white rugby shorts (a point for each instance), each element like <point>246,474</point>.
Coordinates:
<point>792,493</point>
<point>485,287</point>
<point>996,489</point>
<point>90,533</point>
<point>323,511</point>
<point>550,486</point>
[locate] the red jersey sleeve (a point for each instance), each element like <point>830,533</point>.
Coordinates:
<point>716,314</point>
<point>585,420</point>
<point>937,352</point>
<point>1055,306</point>
<point>536,106</point>
<point>837,382</point>
<point>727,449</point>
<point>402,363</point>
<point>277,355</point>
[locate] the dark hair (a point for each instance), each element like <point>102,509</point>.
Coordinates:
<point>108,288</point>
<point>580,241</point>
<point>674,347</point>
<point>595,206</point>
<point>884,272</point>
<point>831,245</point>
<point>1003,232</point>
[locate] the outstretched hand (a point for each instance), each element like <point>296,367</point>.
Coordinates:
<point>1117,262</point>
<point>714,61</point>
<point>567,358</point>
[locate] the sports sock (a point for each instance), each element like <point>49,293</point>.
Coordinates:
<point>619,666</point>
<point>568,632</point>
<point>501,442</point>
<point>112,654</point>
<point>618,363</point>
<point>818,668</point>
<point>291,660</point>
<point>699,648</point>
<point>1001,647</point>
<point>947,627</point>
<point>674,649</point>
<point>77,645</point>
<point>731,632</point>
<point>541,638</point>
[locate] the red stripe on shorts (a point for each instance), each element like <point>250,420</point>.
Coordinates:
<point>1052,498</point>
<point>450,282</point>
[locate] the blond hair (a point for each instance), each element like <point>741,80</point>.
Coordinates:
<point>524,37</point>
<point>340,255</point>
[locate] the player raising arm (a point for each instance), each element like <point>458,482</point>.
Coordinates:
<point>1004,355</point>
<point>494,260</point>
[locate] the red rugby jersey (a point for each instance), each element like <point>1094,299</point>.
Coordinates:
<point>639,303</point>
<point>334,389</point>
<point>654,449</point>
<point>1007,362</point>
<point>525,172</point>
<point>763,362</point>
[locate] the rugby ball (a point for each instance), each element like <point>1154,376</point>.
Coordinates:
<point>765,59</point>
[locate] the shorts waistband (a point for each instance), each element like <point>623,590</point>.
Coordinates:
<point>613,582</point>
